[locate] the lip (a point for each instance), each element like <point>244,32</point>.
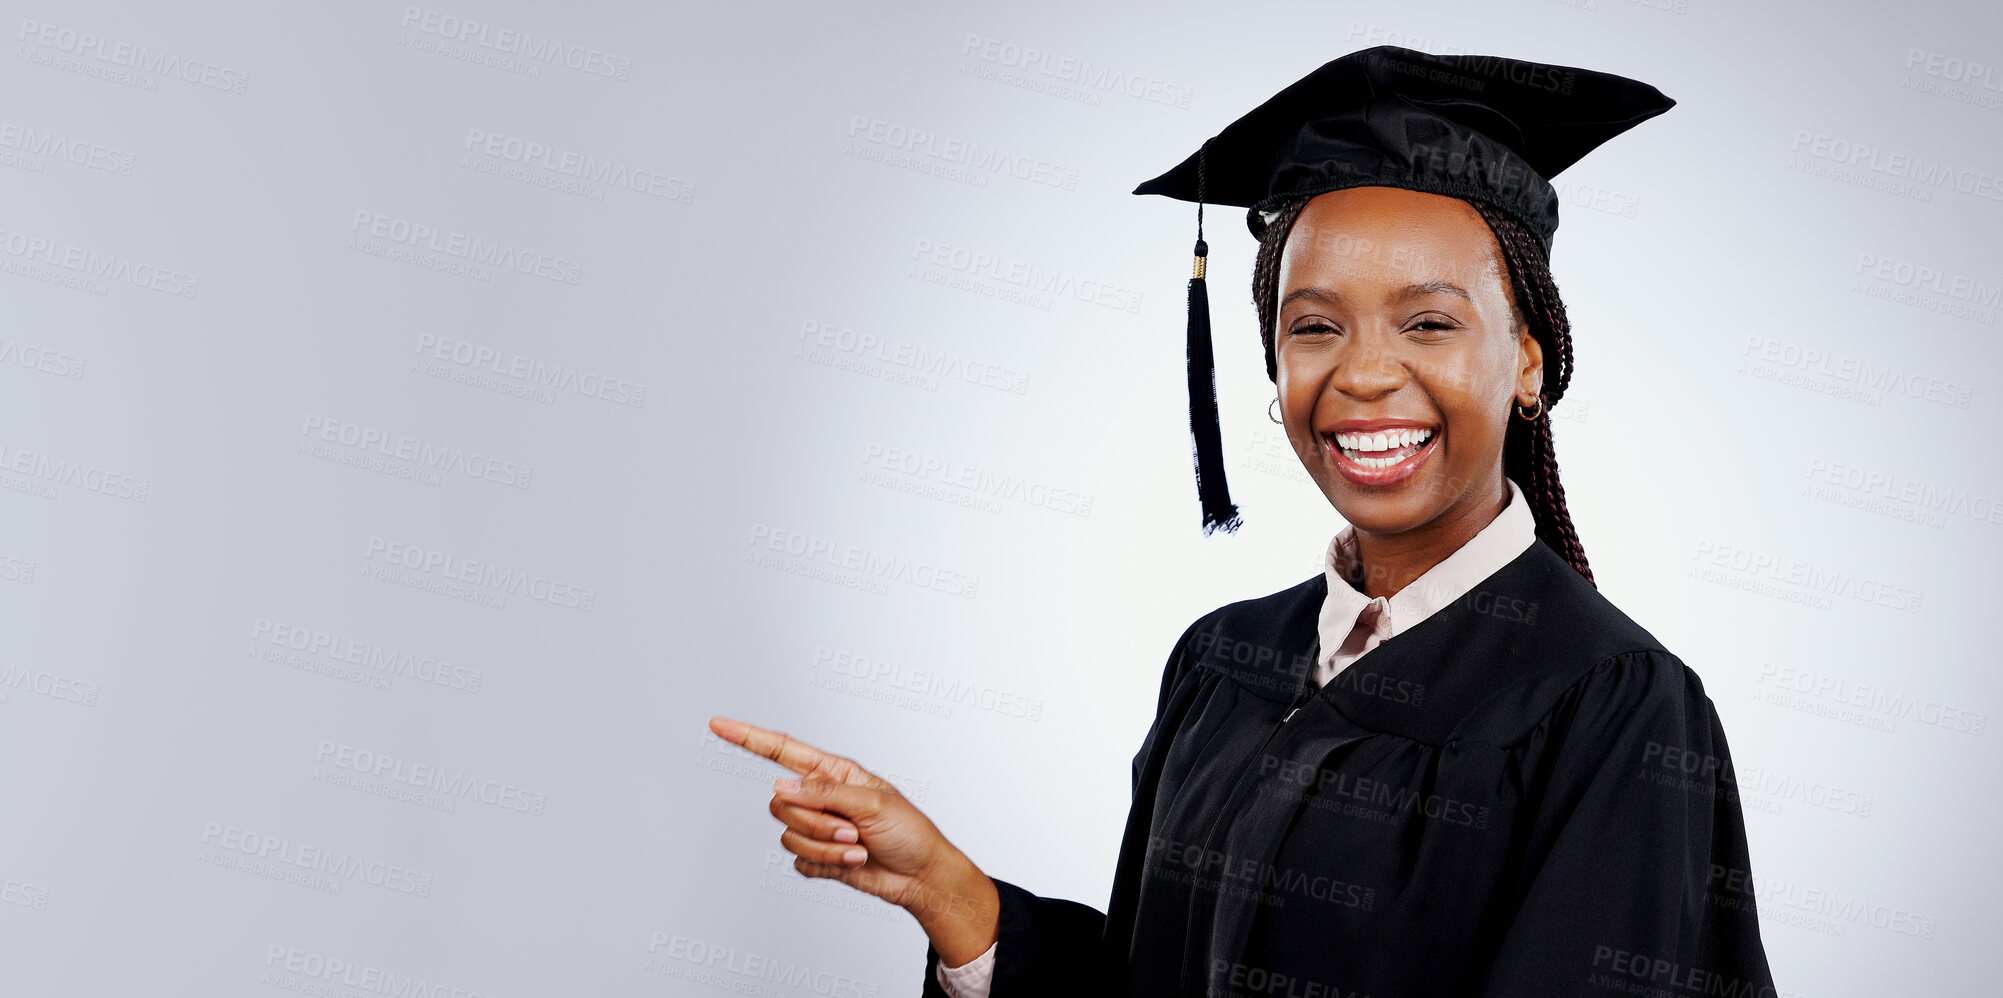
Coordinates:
<point>1379,478</point>
<point>1374,425</point>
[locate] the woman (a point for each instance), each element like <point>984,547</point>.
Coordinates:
<point>1446,764</point>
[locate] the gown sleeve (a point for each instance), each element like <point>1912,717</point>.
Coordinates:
<point>1051,947</point>
<point>1636,870</point>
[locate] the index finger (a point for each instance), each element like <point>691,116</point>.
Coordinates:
<point>793,753</point>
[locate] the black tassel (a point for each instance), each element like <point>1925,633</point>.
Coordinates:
<point>1218,511</point>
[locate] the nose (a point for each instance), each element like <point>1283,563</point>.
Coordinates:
<point>1368,370</point>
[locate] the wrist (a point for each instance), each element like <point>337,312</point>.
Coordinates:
<point>959,909</point>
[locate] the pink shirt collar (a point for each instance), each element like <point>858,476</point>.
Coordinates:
<point>1346,611</point>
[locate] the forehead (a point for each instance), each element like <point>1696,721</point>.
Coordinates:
<point>1390,234</point>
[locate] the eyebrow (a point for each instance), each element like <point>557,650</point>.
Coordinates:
<point>1323,296</point>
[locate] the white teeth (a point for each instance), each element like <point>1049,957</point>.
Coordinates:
<point>1352,443</point>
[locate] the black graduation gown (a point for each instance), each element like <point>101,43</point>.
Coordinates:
<point>1524,794</point>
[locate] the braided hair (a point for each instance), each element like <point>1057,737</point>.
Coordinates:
<point>1526,446</point>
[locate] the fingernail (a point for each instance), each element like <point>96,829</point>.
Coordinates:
<point>786,785</point>
<point>846,834</point>
<point>854,856</point>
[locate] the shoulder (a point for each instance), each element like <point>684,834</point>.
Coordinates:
<point>1578,653</point>
<point>1637,693</point>
<point>1641,687</point>
<point>1574,614</point>
<point>1266,642</point>
<point>1272,611</point>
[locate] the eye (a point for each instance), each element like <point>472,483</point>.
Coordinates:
<point>1435,325</point>
<point>1311,328</point>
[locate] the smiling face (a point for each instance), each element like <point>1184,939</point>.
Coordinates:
<point>1399,356</point>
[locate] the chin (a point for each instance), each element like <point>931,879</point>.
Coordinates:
<point>1379,511</point>
<point>1379,520</point>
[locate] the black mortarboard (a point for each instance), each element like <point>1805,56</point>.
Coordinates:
<point>1467,126</point>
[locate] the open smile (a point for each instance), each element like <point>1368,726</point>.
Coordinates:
<point>1381,457</point>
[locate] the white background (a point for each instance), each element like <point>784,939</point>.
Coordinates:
<point>1779,450</point>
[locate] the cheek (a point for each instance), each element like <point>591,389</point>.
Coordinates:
<point>1469,384</point>
<point>1301,371</point>
<point>1298,391</point>
<point>1474,406</point>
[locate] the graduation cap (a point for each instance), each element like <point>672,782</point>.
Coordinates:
<point>1465,126</point>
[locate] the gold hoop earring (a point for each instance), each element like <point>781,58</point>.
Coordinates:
<point>1269,411</point>
<point>1532,416</point>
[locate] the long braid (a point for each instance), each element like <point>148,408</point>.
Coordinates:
<point>1527,455</point>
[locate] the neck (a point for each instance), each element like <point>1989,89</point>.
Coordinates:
<point>1390,561</point>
